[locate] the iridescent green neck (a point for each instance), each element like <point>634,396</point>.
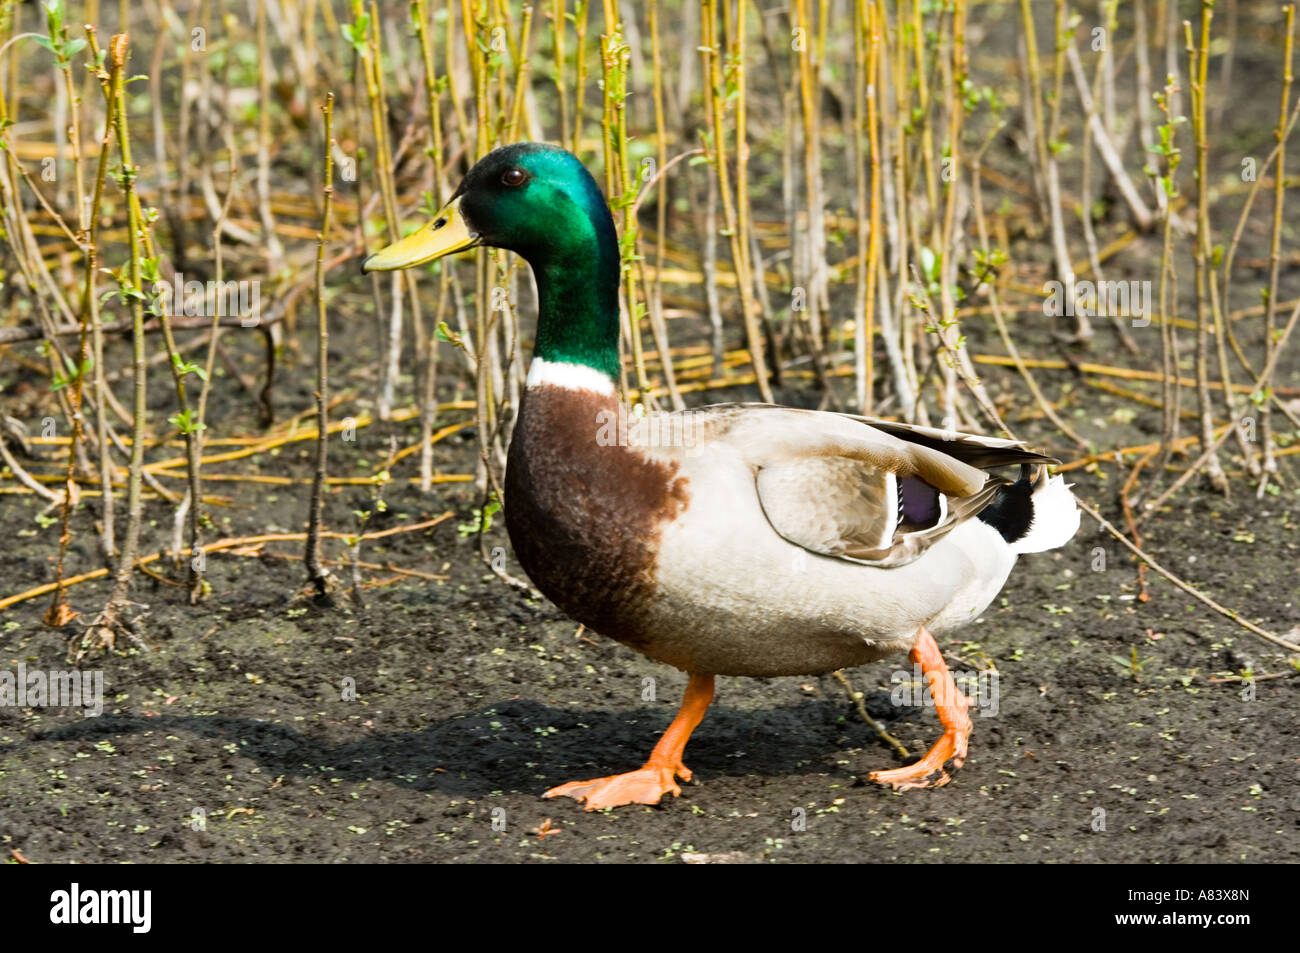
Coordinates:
<point>577,272</point>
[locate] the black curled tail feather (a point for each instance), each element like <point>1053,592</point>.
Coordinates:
<point>1011,512</point>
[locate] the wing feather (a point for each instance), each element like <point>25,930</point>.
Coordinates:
<point>834,483</point>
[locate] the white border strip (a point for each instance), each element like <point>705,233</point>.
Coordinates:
<point>569,376</point>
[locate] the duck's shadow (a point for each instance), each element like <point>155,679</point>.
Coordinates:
<point>518,745</point>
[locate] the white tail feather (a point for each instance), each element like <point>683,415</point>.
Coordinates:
<point>1056,517</point>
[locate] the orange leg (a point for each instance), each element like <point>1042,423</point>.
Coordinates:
<point>950,703</point>
<point>657,776</point>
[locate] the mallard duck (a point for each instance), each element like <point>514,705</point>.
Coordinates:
<point>733,539</point>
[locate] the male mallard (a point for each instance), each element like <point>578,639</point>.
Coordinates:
<point>734,539</point>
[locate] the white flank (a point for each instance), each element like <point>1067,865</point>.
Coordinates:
<point>569,376</point>
<point>1056,517</point>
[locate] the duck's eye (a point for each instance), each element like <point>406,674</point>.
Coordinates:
<point>513,177</point>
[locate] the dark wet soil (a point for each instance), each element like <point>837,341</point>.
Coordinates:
<point>230,738</point>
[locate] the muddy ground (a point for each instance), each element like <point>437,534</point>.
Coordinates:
<point>472,699</point>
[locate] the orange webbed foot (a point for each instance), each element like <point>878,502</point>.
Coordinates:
<point>951,747</point>
<point>646,785</point>
<point>951,705</point>
<point>657,777</point>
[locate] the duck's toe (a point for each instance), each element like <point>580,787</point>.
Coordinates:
<point>950,747</point>
<point>646,785</point>
<point>951,705</point>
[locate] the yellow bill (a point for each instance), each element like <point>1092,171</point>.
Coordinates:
<point>447,233</point>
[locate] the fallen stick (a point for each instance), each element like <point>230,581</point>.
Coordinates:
<point>1187,587</point>
<point>220,544</point>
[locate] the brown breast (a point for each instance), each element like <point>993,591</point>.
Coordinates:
<point>585,518</point>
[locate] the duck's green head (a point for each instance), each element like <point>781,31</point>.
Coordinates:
<point>540,202</point>
<point>533,199</point>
